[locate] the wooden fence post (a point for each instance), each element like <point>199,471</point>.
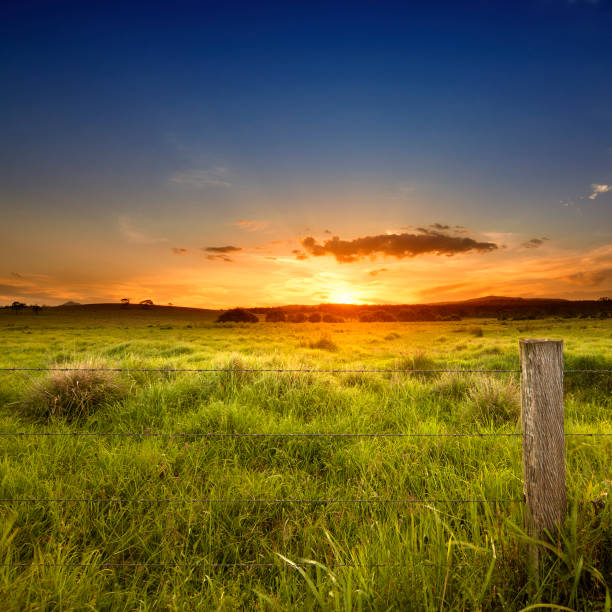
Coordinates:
<point>543,437</point>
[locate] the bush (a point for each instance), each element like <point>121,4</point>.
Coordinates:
<point>72,394</point>
<point>324,343</point>
<point>237,315</point>
<point>315,317</point>
<point>275,316</point>
<point>475,331</point>
<point>298,317</point>
<point>378,316</point>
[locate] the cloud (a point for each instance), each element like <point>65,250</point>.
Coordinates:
<point>180,251</point>
<point>439,226</point>
<point>534,243</point>
<point>590,278</point>
<point>131,234</point>
<point>251,225</point>
<point>376,272</point>
<point>215,176</point>
<point>222,249</point>
<point>219,258</point>
<point>598,190</point>
<point>396,245</point>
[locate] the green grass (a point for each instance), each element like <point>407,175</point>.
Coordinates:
<point>405,556</point>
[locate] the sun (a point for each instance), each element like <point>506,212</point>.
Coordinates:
<point>343,296</point>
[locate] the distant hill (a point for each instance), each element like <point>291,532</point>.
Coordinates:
<point>500,307</point>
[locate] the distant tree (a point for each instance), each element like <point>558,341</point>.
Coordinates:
<point>237,315</point>
<point>406,315</point>
<point>329,318</point>
<point>36,308</point>
<point>275,316</point>
<point>17,306</point>
<point>315,317</point>
<point>125,302</point>
<point>604,299</point>
<point>146,303</point>
<point>298,317</point>
<point>378,316</point>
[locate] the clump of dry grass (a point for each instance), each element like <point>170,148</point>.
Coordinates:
<point>493,401</point>
<point>476,331</point>
<point>72,393</point>
<point>325,343</point>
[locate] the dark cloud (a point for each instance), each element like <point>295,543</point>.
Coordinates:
<point>376,272</point>
<point>222,249</point>
<point>16,275</point>
<point>180,251</point>
<point>300,255</point>
<point>396,245</point>
<point>590,278</point>
<point>439,226</point>
<point>327,232</point>
<point>534,243</point>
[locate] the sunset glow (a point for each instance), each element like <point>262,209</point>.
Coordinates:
<point>383,169</point>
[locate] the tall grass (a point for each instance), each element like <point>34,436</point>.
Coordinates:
<point>333,556</point>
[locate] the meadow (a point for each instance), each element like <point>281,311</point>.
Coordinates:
<point>166,545</point>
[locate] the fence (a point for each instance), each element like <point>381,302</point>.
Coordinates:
<point>543,444</point>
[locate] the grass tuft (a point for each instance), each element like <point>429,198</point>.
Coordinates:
<point>72,395</point>
<point>325,343</point>
<point>492,401</point>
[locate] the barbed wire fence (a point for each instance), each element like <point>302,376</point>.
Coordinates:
<point>542,434</point>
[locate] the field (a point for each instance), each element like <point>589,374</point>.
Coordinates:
<point>389,551</point>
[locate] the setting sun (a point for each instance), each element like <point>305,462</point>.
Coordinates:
<point>343,296</point>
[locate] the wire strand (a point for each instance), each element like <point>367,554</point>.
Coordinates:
<point>185,434</point>
<point>117,500</point>
<point>245,370</point>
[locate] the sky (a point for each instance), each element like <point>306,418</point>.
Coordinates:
<point>220,154</point>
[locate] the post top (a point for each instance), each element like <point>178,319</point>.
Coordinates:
<point>539,341</point>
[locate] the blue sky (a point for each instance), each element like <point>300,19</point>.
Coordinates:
<point>131,129</point>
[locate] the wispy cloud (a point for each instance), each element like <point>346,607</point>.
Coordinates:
<point>589,278</point>
<point>222,249</point>
<point>180,251</point>
<point>378,271</point>
<point>219,258</point>
<point>136,236</point>
<point>598,190</point>
<point>251,225</point>
<point>534,243</point>
<point>215,176</point>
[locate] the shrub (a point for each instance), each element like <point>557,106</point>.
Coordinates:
<point>72,394</point>
<point>392,336</point>
<point>324,343</point>
<point>237,315</point>
<point>475,331</point>
<point>378,316</point>
<point>275,316</point>
<point>298,317</point>
<point>315,317</point>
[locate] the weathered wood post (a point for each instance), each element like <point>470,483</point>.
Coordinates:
<point>543,437</point>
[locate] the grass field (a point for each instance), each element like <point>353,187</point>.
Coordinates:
<point>338,556</point>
